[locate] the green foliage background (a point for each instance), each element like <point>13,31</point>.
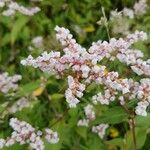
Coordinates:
<point>81,18</point>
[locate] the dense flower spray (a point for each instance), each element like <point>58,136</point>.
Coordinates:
<point>8,83</point>
<point>13,7</point>
<point>24,133</point>
<point>121,21</point>
<point>83,67</point>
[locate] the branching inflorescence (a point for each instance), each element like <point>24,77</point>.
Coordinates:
<point>24,133</point>
<point>13,7</point>
<point>8,82</point>
<point>83,67</point>
<point>121,21</point>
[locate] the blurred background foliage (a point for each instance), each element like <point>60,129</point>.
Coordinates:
<point>47,93</point>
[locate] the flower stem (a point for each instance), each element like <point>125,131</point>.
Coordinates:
<point>133,131</point>
<point>106,23</point>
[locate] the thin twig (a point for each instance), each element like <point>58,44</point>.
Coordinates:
<point>126,108</point>
<point>106,23</point>
<point>59,118</point>
<point>133,131</point>
<point>132,124</point>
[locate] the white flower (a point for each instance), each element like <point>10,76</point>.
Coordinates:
<point>37,41</point>
<point>128,12</point>
<point>8,12</point>
<point>2,143</point>
<point>83,122</point>
<point>100,129</point>
<point>8,82</point>
<point>85,71</point>
<point>140,7</point>
<point>13,7</point>
<point>19,105</point>
<point>51,136</point>
<point>2,3</point>
<point>141,108</point>
<point>78,64</point>
<point>121,99</point>
<point>24,133</point>
<point>89,112</point>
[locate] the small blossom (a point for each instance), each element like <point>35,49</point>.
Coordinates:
<point>121,99</point>
<point>2,143</point>
<point>19,105</point>
<point>140,7</point>
<point>128,12</point>
<point>8,82</point>
<point>100,129</point>
<point>104,99</point>
<point>13,7</point>
<point>37,41</point>
<point>75,90</point>
<point>90,114</point>
<point>51,136</point>
<point>83,122</point>
<point>24,133</point>
<point>141,108</point>
<point>2,3</point>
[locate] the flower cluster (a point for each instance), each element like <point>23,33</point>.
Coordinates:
<point>13,7</point>
<point>100,129</point>
<point>104,99</point>
<point>121,49</point>
<point>51,136</point>
<point>83,122</point>
<point>82,66</point>
<point>143,90</point>
<point>47,62</point>
<point>90,115</point>
<point>8,82</point>
<point>19,105</point>
<point>24,133</point>
<point>140,7</point>
<point>128,13</point>
<point>75,90</point>
<point>37,41</point>
<point>141,108</point>
<point>119,20</point>
<point>143,93</point>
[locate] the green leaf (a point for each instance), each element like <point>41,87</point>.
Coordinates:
<point>49,146</point>
<point>73,112</point>
<point>95,143</point>
<point>113,115</point>
<point>18,25</point>
<point>140,137</point>
<point>82,131</point>
<point>140,134</point>
<point>143,121</point>
<point>115,142</point>
<point>129,140</point>
<point>5,39</point>
<point>147,143</point>
<point>16,147</point>
<point>28,88</point>
<point>57,96</point>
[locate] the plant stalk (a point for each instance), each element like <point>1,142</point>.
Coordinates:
<point>133,132</point>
